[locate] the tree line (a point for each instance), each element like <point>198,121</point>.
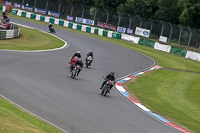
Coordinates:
<point>184,12</point>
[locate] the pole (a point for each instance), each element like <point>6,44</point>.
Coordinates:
<point>179,34</point>
<point>170,32</point>
<point>82,11</point>
<point>130,20</point>
<point>189,37</point>
<point>47,4</point>
<point>107,16</point>
<point>162,28</point>
<point>151,24</point>
<point>35,3</point>
<point>119,18</point>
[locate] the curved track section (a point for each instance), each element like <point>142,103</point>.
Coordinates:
<point>41,83</point>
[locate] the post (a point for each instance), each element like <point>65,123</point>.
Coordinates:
<point>35,3</point>
<point>151,24</point>
<point>71,9</point>
<point>162,28</point>
<point>59,8</point>
<point>179,34</point>
<point>189,37</point>
<point>107,16</point>
<point>170,32</point>
<point>95,15</point>
<point>129,20</point>
<point>82,11</point>
<point>47,4</point>
<point>119,18</point>
<point>23,2</point>
<point>140,21</point>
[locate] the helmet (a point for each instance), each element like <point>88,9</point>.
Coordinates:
<point>112,73</point>
<point>78,52</point>
<point>49,23</point>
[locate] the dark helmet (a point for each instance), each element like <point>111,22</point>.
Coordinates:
<point>112,73</point>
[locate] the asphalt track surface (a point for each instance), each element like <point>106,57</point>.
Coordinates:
<point>40,82</point>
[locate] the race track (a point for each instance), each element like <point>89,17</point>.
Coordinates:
<point>40,82</point>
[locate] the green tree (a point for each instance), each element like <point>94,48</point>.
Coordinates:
<point>144,8</point>
<point>191,14</point>
<point>168,11</point>
<point>108,4</point>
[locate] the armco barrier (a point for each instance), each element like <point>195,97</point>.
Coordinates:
<point>115,35</point>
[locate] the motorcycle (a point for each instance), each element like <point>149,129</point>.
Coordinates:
<point>74,72</point>
<point>52,30</point>
<point>88,61</point>
<point>106,87</point>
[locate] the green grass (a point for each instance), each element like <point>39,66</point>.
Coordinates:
<point>13,120</point>
<point>31,39</point>
<point>172,94</point>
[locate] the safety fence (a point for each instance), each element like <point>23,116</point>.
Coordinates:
<point>111,34</point>
<point>177,35</point>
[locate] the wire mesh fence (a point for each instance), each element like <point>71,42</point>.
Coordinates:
<point>180,36</point>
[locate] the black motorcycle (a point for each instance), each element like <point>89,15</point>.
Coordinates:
<point>106,87</point>
<point>88,61</point>
<point>74,72</point>
<point>52,30</point>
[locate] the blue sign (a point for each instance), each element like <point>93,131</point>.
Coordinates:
<point>129,31</point>
<point>40,11</point>
<point>28,8</point>
<point>79,20</point>
<point>121,29</point>
<point>70,18</point>
<point>53,14</point>
<point>90,22</point>
<point>18,5</point>
<point>7,3</point>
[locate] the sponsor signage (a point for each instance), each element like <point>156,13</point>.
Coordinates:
<point>70,18</point>
<point>142,32</point>
<point>84,21</point>
<point>40,11</point>
<point>107,26</point>
<point>18,5</point>
<point>163,39</point>
<point>129,31</point>
<point>53,14</point>
<point>113,28</point>
<point>100,25</point>
<point>27,8</point>
<point>7,3</point>
<point>121,29</point>
<point>79,20</point>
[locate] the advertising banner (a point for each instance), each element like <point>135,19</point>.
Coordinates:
<point>163,39</point>
<point>7,3</point>
<point>18,5</point>
<point>121,29</point>
<point>79,20</point>
<point>27,8</point>
<point>100,25</point>
<point>113,27</point>
<point>88,21</point>
<point>70,18</point>
<point>129,31</point>
<point>40,11</point>
<point>142,32</point>
<point>107,26</point>
<point>53,14</point>
<point>84,21</point>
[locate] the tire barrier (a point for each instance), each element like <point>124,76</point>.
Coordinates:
<point>11,31</point>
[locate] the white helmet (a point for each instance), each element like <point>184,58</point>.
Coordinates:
<point>49,23</point>
<point>78,52</point>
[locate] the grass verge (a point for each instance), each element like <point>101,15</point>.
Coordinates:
<point>31,39</point>
<point>13,120</point>
<point>172,94</point>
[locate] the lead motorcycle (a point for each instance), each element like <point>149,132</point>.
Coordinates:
<point>74,72</point>
<point>88,61</point>
<point>106,87</point>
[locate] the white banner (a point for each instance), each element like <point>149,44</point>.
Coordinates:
<point>130,38</point>
<point>83,28</point>
<point>110,34</point>
<point>142,32</point>
<point>163,39</point>
<point>100,32</point>
<point>56,21</point>
<point>193,55</point>
<point>162,47</point>
<point>47,19</point>
<point>28,15</point>
<point>74,26</point>
<point>92,30</point>
<point>37,17</point>
<point>66,23</point>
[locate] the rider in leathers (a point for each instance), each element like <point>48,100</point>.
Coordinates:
<point>89,54</point>
<point>78,62</point>
<point>109,77</point>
